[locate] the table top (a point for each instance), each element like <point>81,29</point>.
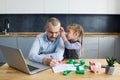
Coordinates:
<point>8,73</point>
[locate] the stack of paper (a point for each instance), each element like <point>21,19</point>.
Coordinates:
<point>63,67</point>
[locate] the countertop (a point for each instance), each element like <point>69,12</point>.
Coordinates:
<point>8,73</point>
<point>33,34</point>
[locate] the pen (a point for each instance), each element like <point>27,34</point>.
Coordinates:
<point>51,57</point>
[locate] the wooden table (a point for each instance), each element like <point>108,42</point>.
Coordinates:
<point>8,73</point>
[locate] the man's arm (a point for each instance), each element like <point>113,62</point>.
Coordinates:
<point>34,52</point>
<point>46,58</point>
<point>58,54</point>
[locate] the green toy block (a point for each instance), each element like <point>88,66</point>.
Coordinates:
<point>80,71</point>
<point>82,62</point>
<point>66,72</point>
<point>71,61</point>
<point>86,67</point>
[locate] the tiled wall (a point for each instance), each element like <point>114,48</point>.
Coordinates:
<point>36,22</point>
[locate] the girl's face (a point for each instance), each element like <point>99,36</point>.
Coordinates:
<point>70,34</point>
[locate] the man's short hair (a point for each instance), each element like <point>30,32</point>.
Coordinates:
<point>54,21</point>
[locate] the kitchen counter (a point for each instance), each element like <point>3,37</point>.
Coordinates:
<point>22,34</point>
<point>33,34</point>
<point>8,73</point>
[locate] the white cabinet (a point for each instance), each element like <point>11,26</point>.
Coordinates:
<point>2,6</point>
<point>113,6</point>
<point>87,6</point>
<point>106,47</point>
<point>90,47</point>
<point>56,6</point>
<point>94,6</point>
<point>60,6</point>
<point>24,6</point>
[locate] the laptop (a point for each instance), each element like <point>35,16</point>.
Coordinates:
<point>15,59</point>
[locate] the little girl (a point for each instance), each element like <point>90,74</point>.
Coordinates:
<point>73,44</point>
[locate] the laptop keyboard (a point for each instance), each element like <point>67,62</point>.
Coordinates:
<point>31,68</point>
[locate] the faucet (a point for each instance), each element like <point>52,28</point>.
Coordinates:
<point>6,27</point>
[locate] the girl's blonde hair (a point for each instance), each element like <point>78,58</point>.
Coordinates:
<point>77,28</point>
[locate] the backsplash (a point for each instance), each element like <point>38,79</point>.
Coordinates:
<point>36,22</point>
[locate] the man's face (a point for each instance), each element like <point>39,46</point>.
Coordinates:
<point>52,31</point>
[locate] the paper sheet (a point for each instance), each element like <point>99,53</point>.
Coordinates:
<point>63,67</point>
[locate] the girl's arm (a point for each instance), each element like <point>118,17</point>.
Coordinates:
<point>75,45</point>
<point>62,34</point>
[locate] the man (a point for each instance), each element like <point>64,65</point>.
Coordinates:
<point>48,48</point>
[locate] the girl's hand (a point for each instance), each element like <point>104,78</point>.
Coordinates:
<point>62,34</point>
<point>61,29</point>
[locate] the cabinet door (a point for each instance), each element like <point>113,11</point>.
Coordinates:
<point>56,6</point>
<point>117,49</point>
<point>7,41</point>
<point>106,47</point>
<point>88,6</point>
<point>2,6</point>
<point>24,6</point>
<point>113,6</point>
<point>90,47</point>
<point>94,6</point>
<point>25,44</point>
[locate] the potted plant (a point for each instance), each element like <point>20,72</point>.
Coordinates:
<point>110,68</point>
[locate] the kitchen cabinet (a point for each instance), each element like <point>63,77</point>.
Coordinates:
<point>60,6</point>
<point>88,6</point>
<point>2,6</point>
<point>25,44</point>
<point>113,7</point>
<point>117,49</point>
<point>56,6</point>
<point>24,6</point>
<point>94,6</point>
<point>7,41</point>
<point>106,47</point>
<point>94,47</point>
<point>90,47</point>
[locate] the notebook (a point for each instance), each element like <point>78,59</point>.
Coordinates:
<point>15,59</point>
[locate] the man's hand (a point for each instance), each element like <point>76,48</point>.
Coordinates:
<point>53,62</point>
<point>50,61</point>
